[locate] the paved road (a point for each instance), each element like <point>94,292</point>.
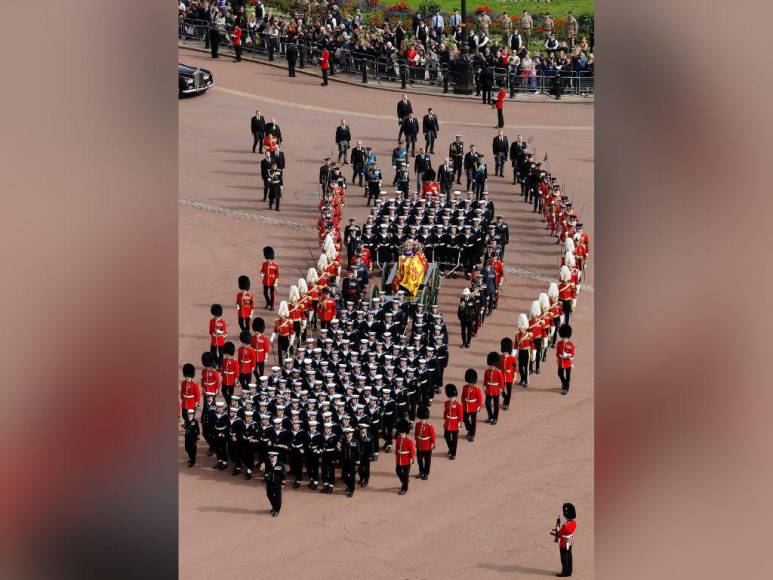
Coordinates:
<point>487,514</point>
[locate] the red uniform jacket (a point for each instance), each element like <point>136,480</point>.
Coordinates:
<point>244,304</point>
<point>472,398</point>
<point>324,59</point>
<point>326,310</point>
<point>565,354</point>
<point>501,99</point>
<point>247,360</point>
<point>405,451</point>
<point>270,272</point>
<point>508,366</point>
<point>283,327</point>
<point>425,436</point>
<point>499,270</point>
<point>566,534</point>
<point>493,381</point>
<point>452,415</point>
<point>230,371</point>
<point>296,312</point>
<point>217,331</point>
<point>566,290</point>
<point>523,340</point>
<point>314,292</point>
<point>535,327</point>
<point>262,347</point>
<point>210,380</point>
<point>190,394</point>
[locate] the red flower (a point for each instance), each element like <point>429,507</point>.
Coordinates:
<point>484,9</point>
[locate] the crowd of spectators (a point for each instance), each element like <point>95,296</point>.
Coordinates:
<point>432,44</point>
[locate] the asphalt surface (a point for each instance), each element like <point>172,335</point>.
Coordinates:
<point>485,515</point>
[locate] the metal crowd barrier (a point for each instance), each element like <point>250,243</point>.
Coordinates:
<point>385,70</point>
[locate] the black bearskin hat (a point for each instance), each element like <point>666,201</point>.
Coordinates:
<point>422,412</point>
<point>206,360</point>
<point>565,331</point>
<point>493,359</point>
<point>268,253</point>
<point>569,512</point>
<point>189,371</point>
<point>258,325</point>
<point>451,390</point>
<point>229,348</point>
<point>404,426</point>
<point>216,310</point>
<point>244,337</point>
<point>506,345</point>
<point>244,283</point>
<point>471,376</point>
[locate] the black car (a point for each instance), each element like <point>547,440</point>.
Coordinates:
<point>193,80</point>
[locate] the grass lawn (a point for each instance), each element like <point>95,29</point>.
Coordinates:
<point>557,8</point>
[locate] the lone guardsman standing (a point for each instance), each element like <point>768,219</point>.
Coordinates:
<point>565,356</point>
<point>564,535</point>
<point>405,454</point>
<point>269,272</point>
<point>275,481</point>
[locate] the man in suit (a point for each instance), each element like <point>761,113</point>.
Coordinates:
<point>421,163</point>
<point>410,129</point>
<point>445,175</point>
<point>273,129</point>
<point>430,127</point>
<point>500,148</point>
<point>469,165</point>
<point>359,157</point>
<point>403,108</point>
<point>486,83</point>
<point>258,129</point>
<point>265,167</point>
<point>279,157</point>
<point>343,137</point>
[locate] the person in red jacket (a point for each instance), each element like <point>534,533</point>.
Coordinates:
<point>453,414</point>
<point>245,302</point>
<point>190,393</point>
<point>472,401</point>
<point>424,434</point>
<point>565,357</point>
<point>261,345</point>
<point>523,342</point>
<point>230,371</point>
<point>210,378</point>
<point>247,359</point>
<point>508,366</point>
<point>493,383</point>
<point>269,271</point>
<point>500,105</point>
<point>236,40</point>
<point>565,537</point>
<point>218,330</point>
<point>326,310</point>
<point>324,63</point>
<point>405,453</point>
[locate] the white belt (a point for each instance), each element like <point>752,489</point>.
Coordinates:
<point>403,452</point>
<point>188,396</point>
<point>425,438</point>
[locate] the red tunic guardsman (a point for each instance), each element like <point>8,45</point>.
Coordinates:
<point>564,534</point>
<point>269,272</point>
<point>493,384</point>
<point>218,330</point>
<point>523,342</point>
<point>229,371</point>
<point>472,402</point>
<point>190,393</point>
<point>210,378</point>
<point>326,311</point>
<point>424,434</point>
<point>508,366</point>
<point>247,358</point>
<point>283,328</point>
<point>405,453</point>
<point>261,345</point>
<point>453,414</point>
<point>245,302</point>
<point>565,357</point>
<point>536,327</point>
<point>566,292</point>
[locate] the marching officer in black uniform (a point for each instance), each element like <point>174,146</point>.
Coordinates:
<point>410,128</point>
<point>456,153</point>
<point>467,315</point>
<point>324,176</point>
<point>352,239</point>
<point>251,435</point>
<point>469,165</point>
<point>221,424</point>
<point>366,452</point>
<point>403,179</point>
<point>265,168</point>
<point>298,447</point>
<point>314,451</point>
<point>351,452</point>
<point>275,186</point>
<point>374,178</point>
<point>430,127</point>
<point>192,431</point>
<point>329,458</point>
<point>275,480</point>
<point>445,175</point>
